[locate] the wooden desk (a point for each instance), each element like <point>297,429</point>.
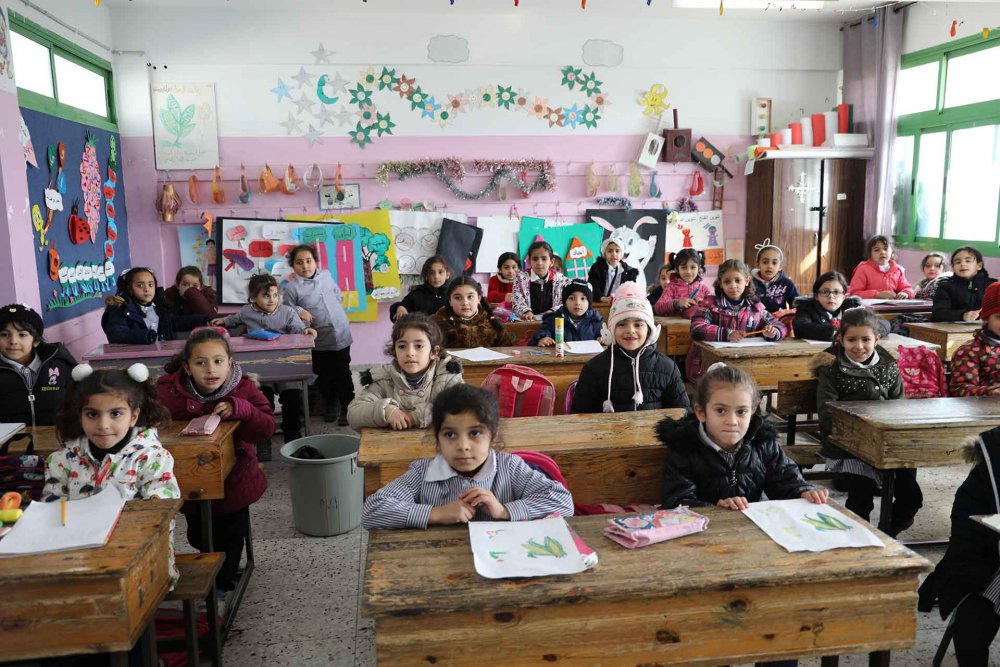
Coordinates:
<point>675,335</point>
<point>603,308</point>
<point>922,433</point>
<point>727,595</point>
<point>523,328</point>
<point>606,458</point>
<point>949,336</point>
<point>286,359</point>
<point>788,360</point>
<point>560,371</point>
<point>89,600</point>
<point>910,306</point>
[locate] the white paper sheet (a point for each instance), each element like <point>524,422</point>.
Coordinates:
<point>815,342</point>
<point>746,342</point>
<point>499,236</point>
<point>584,347</point>
<point>896,302</point>
<point>478,354</point>
<point>892,341</point>
<point>873,302</point>
<point>9,429</point>
<point>799,525</point>
<point>524,548</point>
<point>89,523</point>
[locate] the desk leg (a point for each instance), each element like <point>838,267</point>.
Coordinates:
<point>885,512</point>
<point>241,586</point>
<point>147,643</point>
<point>879,658</point>
<point>205,512</point>
<point>305,408</point>
<point>829,661</point>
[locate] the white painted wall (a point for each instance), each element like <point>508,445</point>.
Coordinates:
<point>929,24</point>
<point>86,19</point>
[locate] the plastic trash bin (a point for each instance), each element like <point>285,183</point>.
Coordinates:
<point>327,493</point>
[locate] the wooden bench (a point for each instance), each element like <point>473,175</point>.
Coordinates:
<point>197,582</point>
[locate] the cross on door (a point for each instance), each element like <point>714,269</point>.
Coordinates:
<point>801,188</point>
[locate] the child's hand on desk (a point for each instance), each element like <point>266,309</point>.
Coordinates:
<point>970,316</point>
<point>770,331</point>
<point>224,409</point>
<point>484,498</point>
<point>528,316</point>
<point>737,336</point>
<point>817,496</point>
<point>736,503</point>
<point>902,295</point>
<point>546,342</point>
<point>305,315</point>
<point>400,420</point>
<point>457,511</point>
<point>886,294</point>
<point>605,299</point>
<point>218,322</point>
<point>309,331</point>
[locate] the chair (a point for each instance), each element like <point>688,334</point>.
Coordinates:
<point>197,582</point>
<point>568,403</point>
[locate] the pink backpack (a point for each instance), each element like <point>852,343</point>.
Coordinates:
<point>521,391</point>
<point>922,372</point>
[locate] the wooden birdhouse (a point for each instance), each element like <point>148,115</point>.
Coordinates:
<point>677,143</point>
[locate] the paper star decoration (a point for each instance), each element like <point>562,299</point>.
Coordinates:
<point>304,78</point>
<point>281,90</point>
<point>304,104</point>
<point>322,56</point>
<point>313,136</point>
<point>344,117</point>
<point>801,188</point>
<point>336,84</point>
<point>325,115</point>
<point>292,124</point>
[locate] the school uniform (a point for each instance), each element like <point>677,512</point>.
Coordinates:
<point>775,294</point>
<point>604,279</point>
<point>34,393</point>
<point>284,319</point>
<point>407,501</point>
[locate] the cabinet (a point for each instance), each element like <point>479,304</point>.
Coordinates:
<point>796,225</point>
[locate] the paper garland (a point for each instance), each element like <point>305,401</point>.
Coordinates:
<point>451,172</point>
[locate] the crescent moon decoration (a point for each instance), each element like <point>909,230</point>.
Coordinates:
<point>320,85</point>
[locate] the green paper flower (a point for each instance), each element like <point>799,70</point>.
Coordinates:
<point>590,84</point>
<point>361,135</point>
<point>589,116</point>
<point>444,117</point>
<point>360,95</point>
<point>387,79</point>
<point>505,96</point>
<point>383,124</point>
<point>571,76</point>
<point>417,99</point>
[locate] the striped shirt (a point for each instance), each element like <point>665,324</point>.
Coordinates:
<point>407,501</point>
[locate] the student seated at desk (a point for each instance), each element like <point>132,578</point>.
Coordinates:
<point>857,368</point>
<point>775,289</point>
<point>686,287</point>
<point>500,289</point>
<point>966,581</point>
<point>399,395</point>
<point>879,276</point>
<point>466,320</point>
<point>959,297</point>
<point>935,269</point>
<point>190,296</point>
<point>580,320</point>
<point>975,366</point>
<point>429,296</point>
<point>538,290</point>
<point>609,271</point>
<point>204,380</point>
<point>468,479</point>
<point>630,374</point>
<point>138,313</point>
<point>108,429</point>
<point>34,374</point>
<point>817,317</point>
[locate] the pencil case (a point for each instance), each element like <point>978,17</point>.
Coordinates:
<point>262,334</point>
<point>651,527</point>
<point>204,425</point>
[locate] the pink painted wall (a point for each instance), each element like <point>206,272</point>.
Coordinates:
<point>154,243</point>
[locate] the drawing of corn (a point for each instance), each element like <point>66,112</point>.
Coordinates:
<point>550,547</point>
<point>825,522</point>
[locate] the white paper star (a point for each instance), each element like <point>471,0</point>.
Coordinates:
<point>325,115</point>
<point>292,124</point>
<point>344,117</point>
<point>337,83</point>
<point>322,56</point>
<point>304,78</point>
<point>304,104</point>
<point>313,135</point>
<point>801,188</point>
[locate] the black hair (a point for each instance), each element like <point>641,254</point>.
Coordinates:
<point>504,257</point>
<point>302,247</point>
<point>827,277</point>
<point>197,337</point>
<point>429,264</point>
<point>686,255</point>
<point>878,238</point>
<point>140,396</point>
<point>722,374</point>
<point>461,398</point>
<point>858,317</point>
<point>736,265</point>
<point>539,244</point>
<point>192,271</point>
<point>939,255</point>
<point>418,321</point>
<point>123,289</point>
<point>483,304</point>
<point>27,327</point>
<point>969,249</point>
<point>260,282</point>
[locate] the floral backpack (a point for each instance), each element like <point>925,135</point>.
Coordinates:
<point>922,372</point>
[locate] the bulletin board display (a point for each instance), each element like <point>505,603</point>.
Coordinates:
<point>76,199</point>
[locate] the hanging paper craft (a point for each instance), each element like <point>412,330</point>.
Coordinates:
<point>578,260</point>
<point>653,100</point>
<point>313,178</point>
<point>24,136</point>
<point>459,246</point>
<point>499,236</point>
<point>185,134</point>
<point>193,189</point>
<point>639,233</point>
<point>90,182</point>
<point>416,236</point>
<point>267,181</point>
<point>799,525</point>
<point>218,193</point>
<point>537,548</point>
<point>244,186</point>
<point>634,181</point>
<point>290,183</point>
<point>702,230</point>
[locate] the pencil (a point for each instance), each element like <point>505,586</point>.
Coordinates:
<point>754,333</point>
<point>63,508</point>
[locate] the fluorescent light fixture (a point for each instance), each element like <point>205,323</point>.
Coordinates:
<point>749,4</point>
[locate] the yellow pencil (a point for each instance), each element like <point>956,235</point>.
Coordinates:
<point>63,511</point>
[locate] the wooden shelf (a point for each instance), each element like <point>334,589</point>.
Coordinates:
<point>818,153</point>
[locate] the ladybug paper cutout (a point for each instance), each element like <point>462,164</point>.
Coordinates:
<point>79,228</point>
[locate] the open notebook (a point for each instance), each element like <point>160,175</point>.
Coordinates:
<point>89,523</point>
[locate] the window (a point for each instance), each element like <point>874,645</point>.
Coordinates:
<point>57,77</point>
<point>947,151</point>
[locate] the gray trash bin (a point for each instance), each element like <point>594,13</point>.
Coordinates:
<point>327,493</point>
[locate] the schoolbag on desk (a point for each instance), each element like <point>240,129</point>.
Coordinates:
<point>24,473</point>
<point>922,372</point>
<point>521,391</point>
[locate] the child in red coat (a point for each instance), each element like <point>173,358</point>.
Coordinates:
<point>203,380</point>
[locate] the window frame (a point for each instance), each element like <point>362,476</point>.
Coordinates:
<point>947,120</point>
<point>66,49</point>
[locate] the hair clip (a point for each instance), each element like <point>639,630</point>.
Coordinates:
<point>138,372</point>
<point>717,364</point>
<point>81,372</point>
<point>767,245</point>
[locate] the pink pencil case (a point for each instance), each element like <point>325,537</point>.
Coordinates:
<point>204,425</point>
<point>652,527</point>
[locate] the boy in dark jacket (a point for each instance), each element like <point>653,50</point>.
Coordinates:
<point>629,375</point>
<point>580,321</point>
<point>33,374</point>
<point>609,271</point>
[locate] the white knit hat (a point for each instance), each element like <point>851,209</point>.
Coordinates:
<point>628,302</point>
<point>608,241</point>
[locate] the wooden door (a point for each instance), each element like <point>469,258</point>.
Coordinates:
<point>843,228</point>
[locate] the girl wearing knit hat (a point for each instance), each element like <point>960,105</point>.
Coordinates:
<point>630,375</point>
<point>975,367</point>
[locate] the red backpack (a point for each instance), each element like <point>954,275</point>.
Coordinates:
<point>922,372</point>
<point>521,391</point>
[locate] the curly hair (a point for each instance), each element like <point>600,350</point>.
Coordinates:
<point>736,265</point>
<point>141,396</point>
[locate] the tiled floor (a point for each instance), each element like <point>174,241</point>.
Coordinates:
<point>302,606</point>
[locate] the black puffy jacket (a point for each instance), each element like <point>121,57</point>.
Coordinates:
<point>49,392</point>
<point>659,379</point>
<point>598,276</point>
<point>956,296</point>
<point>973,554</point>
<point>422,299</point>
<point>697,475</point>
<point>815,322</point>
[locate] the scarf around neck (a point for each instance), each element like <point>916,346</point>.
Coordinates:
<point>228,386</point>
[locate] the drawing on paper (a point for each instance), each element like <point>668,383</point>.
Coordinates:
<point>185,133</point>
<point>548,547</point>
<point>416,235</point>
<point>825,522</point>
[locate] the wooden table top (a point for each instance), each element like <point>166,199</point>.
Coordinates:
<point>530,356</point>
<point>168,348</point>
<point>89,600</point>
<point>410,572</point>
<point>951,328</point>
<point>796,347</point>
<point>925,413</point>
<point>949,336</point>
<point>909,306</point>
<point>673,323</point>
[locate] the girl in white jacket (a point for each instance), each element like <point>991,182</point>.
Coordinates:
<point>399,395</point>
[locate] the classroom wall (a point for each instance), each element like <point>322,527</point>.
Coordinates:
<point>245,50</point>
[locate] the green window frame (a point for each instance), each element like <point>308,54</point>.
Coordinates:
<point>946,120</point>
<point>59,46</point>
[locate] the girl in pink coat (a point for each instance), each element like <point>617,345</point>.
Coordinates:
<point>686,288</point>
<point>879,277</point>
